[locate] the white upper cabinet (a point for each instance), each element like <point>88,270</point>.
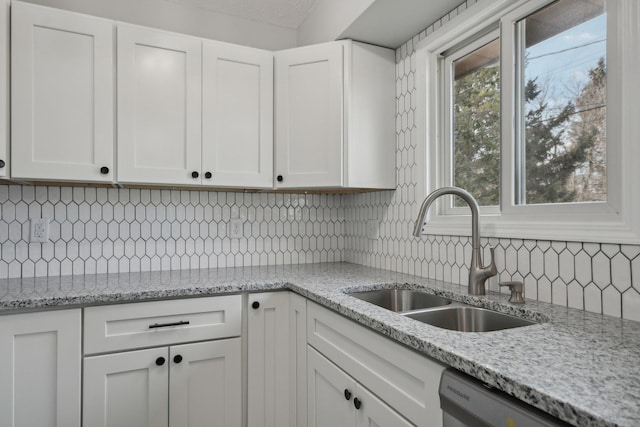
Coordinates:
<point>335,117</point>
<point>159,107</point>
<point>62,95</point>
<point>309,109</point>
<point>193,112</point>
<point>237,140</point>
<point>5,37</point>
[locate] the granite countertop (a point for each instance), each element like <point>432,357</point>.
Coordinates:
<point>581,367</point>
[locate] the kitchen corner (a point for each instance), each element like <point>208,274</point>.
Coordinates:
<point>193,191</point>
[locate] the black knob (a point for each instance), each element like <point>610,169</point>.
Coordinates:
<point>177,358</point>
<point>347,394</point>
<point>104,170</point>
<point>2,164</point>
<point>160,361</point>
<point>255,305</point>
<point>357,403</point>
<point>208,175</point>
<point>279,178</point>
<point>194,174</point>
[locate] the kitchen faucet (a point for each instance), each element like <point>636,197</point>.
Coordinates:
<point>478,274</point>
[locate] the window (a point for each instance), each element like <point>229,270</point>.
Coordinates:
<point>471,81</point>
<point>529,106</point>
<point>561,95</point>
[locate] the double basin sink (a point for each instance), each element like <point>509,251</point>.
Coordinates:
<point>439,311</point>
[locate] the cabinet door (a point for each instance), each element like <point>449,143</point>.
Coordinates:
<point>330,393</point>
<point>5,37</point>
<point>206,384</point>
<point>405,379</point>
<point>237,140</point>
<point>298,346</point>
<point>268,363</point>
<point>39,364</point>
<point>373,412</point>
<point>159,107</point>
<point>309,112</point>
<point>126,389</point>
<point>62,95</point>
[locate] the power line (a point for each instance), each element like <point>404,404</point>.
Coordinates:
<point>567,49</point>
<point>572,114</point>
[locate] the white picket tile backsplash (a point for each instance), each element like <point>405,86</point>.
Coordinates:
<point>100,230</point>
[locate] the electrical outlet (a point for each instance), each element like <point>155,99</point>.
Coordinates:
<point>372,229</point>
<point>39,230</point>
<point>235,228</point>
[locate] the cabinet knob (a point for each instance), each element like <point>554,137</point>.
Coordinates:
<point>357,403</point>
<point>255,305</point>
<point>104,170</point>
<point>177,358</point>
<point>279,178</point>
<point>347,394</point>
<point>160,361</point>
<point>208,175</point>
<point>195,174</point>
<point>2,164</point>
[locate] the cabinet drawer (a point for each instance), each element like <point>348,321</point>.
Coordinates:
<point>148,324</point>
<point>404,379</point>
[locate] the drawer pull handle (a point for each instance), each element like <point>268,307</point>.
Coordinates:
<point>166,325</point>
<point>347,394</point>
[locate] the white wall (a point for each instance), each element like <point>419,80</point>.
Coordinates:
<point>187,20</point>
<point>328,19</point>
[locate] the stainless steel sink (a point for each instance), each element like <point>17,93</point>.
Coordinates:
<point>469,319</point>
<point>401,300</point>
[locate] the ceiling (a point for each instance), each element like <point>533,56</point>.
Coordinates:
<point>391,23</point>
<point>283,13</point>
<point>387,23</point>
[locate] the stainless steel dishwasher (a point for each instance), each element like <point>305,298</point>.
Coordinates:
<point>467,402</point>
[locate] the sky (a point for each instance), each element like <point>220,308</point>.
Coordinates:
<point>565,59</point>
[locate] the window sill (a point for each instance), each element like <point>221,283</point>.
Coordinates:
<point>561,228</point>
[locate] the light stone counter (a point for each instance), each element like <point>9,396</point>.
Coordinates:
<point>581,367</point>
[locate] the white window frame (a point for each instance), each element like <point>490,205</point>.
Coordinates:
<point>448,160</point>
<point>617,220</point>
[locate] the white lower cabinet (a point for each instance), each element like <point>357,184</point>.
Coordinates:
<point>205,387</point>
<point>179,363</point>
<point>126,389</point>
<point>298,358</point>
<point>404,380</point>
<point>336,399</point>
<point>194,385</point>
<point>186,372</point>
<point>268,360</point>
<point>40,369</point>
<point>277,360</point>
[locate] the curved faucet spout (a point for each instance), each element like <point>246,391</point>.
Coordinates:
<point>478,274</point>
